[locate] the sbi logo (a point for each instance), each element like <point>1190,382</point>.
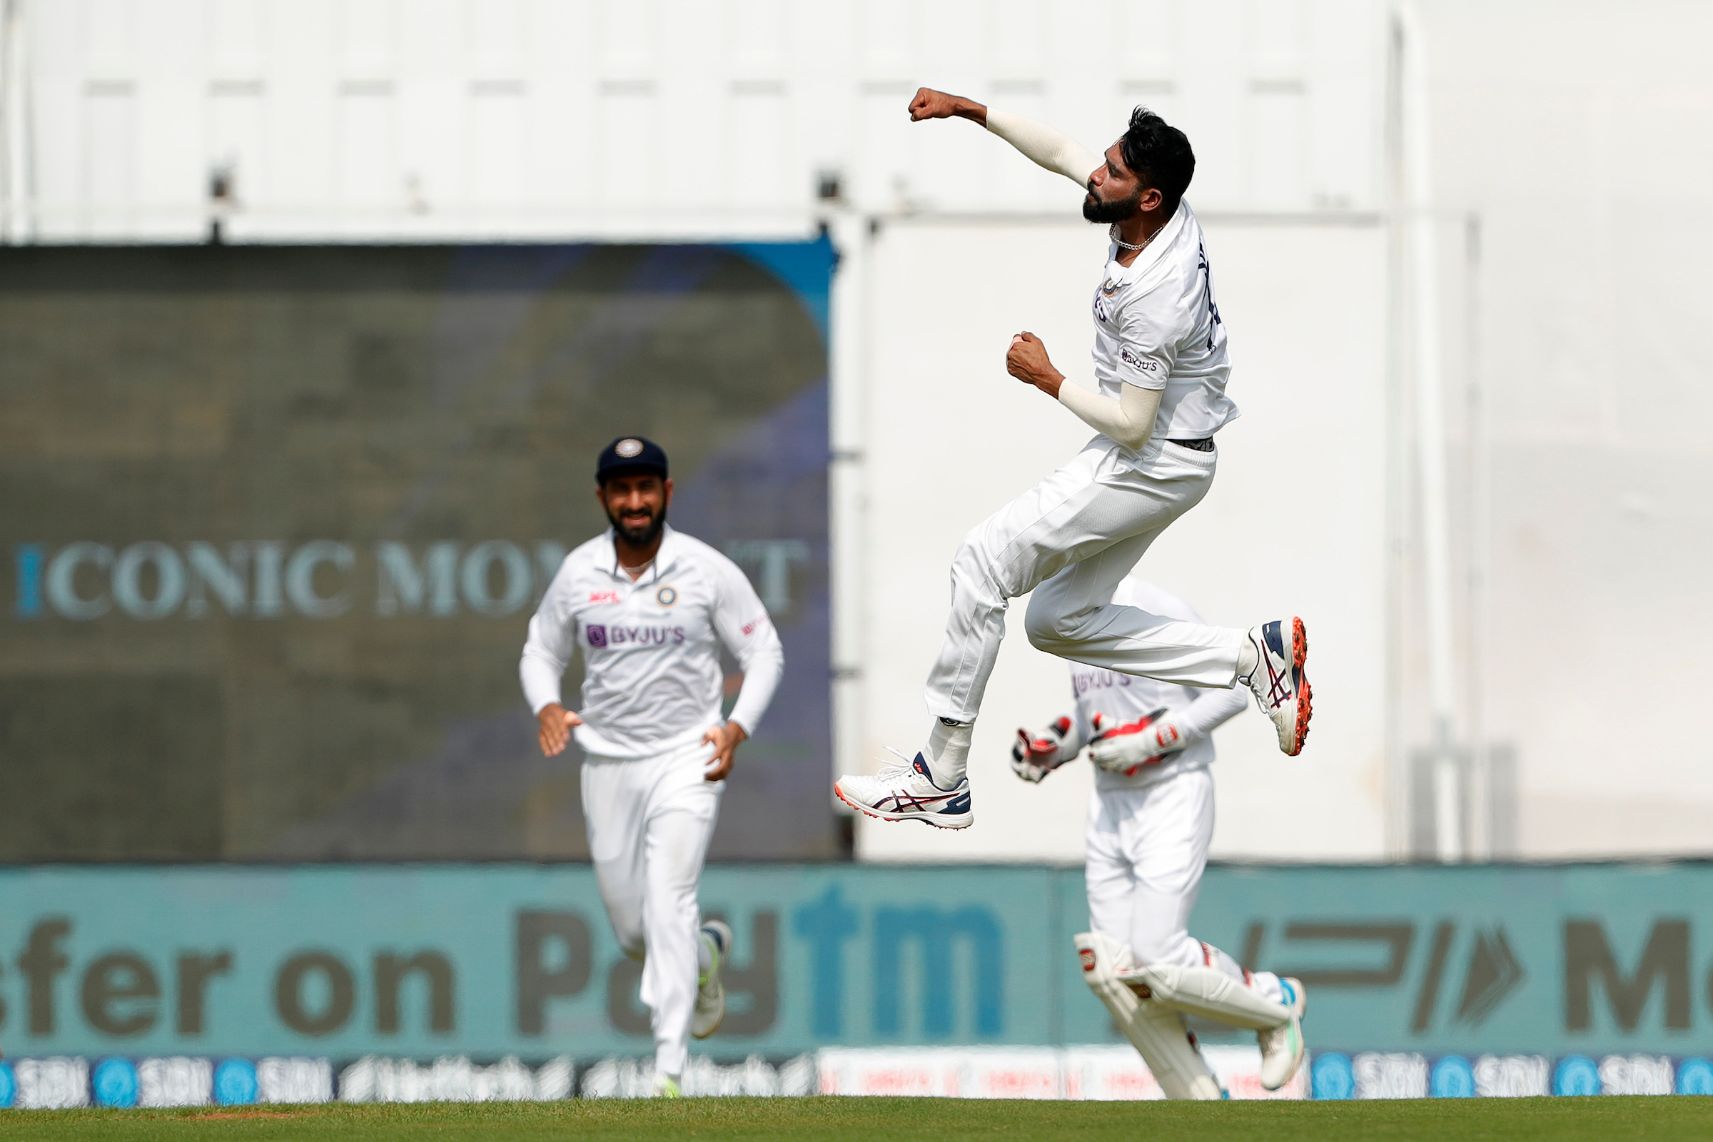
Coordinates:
<point>1453,1077</point>
<point>1694,1076</point>
<point>235,1082</point>
<point>1331,1075</point>
<point>1576,1074</point>
<point>115,1083</point>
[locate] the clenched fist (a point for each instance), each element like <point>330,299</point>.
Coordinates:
<point>930,104</point>
<point>1027,360</point>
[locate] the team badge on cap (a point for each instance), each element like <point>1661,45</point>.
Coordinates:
<point>630,454</point>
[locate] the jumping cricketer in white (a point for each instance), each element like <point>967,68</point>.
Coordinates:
<point>650,607</point>
<point>1149,822</point>
<point>1160,367</point>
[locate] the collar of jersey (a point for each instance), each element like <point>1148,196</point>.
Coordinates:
<point>1155,250</point>
<point>663,558</point>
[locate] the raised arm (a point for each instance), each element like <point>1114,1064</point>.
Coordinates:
<point>1039,143</point>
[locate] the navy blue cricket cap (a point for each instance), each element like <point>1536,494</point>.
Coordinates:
<point>630,455</point>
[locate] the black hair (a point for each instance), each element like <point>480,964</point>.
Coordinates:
<point>1159,155</point>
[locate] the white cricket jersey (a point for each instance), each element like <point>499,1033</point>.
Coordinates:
<point>1125,698</point>
<point>1156,325</point>
<point>651,649</point>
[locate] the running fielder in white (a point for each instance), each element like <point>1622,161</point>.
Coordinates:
<point>1160,370</point>
<point>1149,822</point>
<point>649,608</point>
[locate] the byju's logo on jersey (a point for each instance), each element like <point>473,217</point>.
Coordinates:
<point>1135,361</point>
<point>601,636</point>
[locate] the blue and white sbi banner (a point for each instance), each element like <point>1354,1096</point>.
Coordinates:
<point>1436,980</point>
<point>273,522</point>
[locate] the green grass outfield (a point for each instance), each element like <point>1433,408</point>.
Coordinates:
<point>868,1118</point>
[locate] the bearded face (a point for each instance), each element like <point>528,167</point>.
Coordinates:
<point>1098,209</point>
<point>636,507</point>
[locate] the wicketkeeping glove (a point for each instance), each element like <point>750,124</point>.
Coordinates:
<point>1127,749</point>
<point>1033,756</point>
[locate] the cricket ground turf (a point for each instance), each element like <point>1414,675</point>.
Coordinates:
<point>870,1118</point>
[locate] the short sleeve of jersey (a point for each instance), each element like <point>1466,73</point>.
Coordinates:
<point>1145,348</point>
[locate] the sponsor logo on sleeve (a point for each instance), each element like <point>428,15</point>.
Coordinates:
<point>1137,361</point>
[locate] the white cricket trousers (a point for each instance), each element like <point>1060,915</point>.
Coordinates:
<point>1070,539</point>
<point>649,825</point>
<point>1146,851</point>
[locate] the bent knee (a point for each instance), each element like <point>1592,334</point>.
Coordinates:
<point>1046,623</point>
<point>1175,949</point>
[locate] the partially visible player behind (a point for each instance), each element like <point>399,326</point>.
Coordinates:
<point>649,608</point>
<point>1149,822</point>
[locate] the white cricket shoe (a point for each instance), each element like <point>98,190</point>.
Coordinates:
<point>1277,680</point>
<point>1282,1046</point>
<point>710,993</point>
<point>907,793</point>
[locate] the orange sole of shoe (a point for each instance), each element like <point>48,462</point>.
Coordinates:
<point>1305,692</point>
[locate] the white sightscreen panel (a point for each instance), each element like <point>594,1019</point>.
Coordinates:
<point>236,38</point>
<point>497,30</point>
<point>627,36</point>
<point>237,139</point>
<point>109,154</point>
<point>764,172</point>
<point>1274,32</point>
<point>628,147</point>
<point>756,36</point>
<point>1017,34</point>
<point>366,37</point>
<point>498,123</point>
<point>1147,41</point>
<point>367,172</point>
<point>1278,150</point>
<point>109,39</point>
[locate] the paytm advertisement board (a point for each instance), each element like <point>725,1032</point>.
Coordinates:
<point>1404,966</point>
<point>273,521</point>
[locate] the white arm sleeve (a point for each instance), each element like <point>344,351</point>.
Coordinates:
<point>748,633</point>
<point>1211,709</point>
<point>548,649</point>
<point>1128,419</point>
<point>1044,146</point>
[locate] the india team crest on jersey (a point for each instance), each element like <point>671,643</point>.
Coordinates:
<point>666,596</point>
